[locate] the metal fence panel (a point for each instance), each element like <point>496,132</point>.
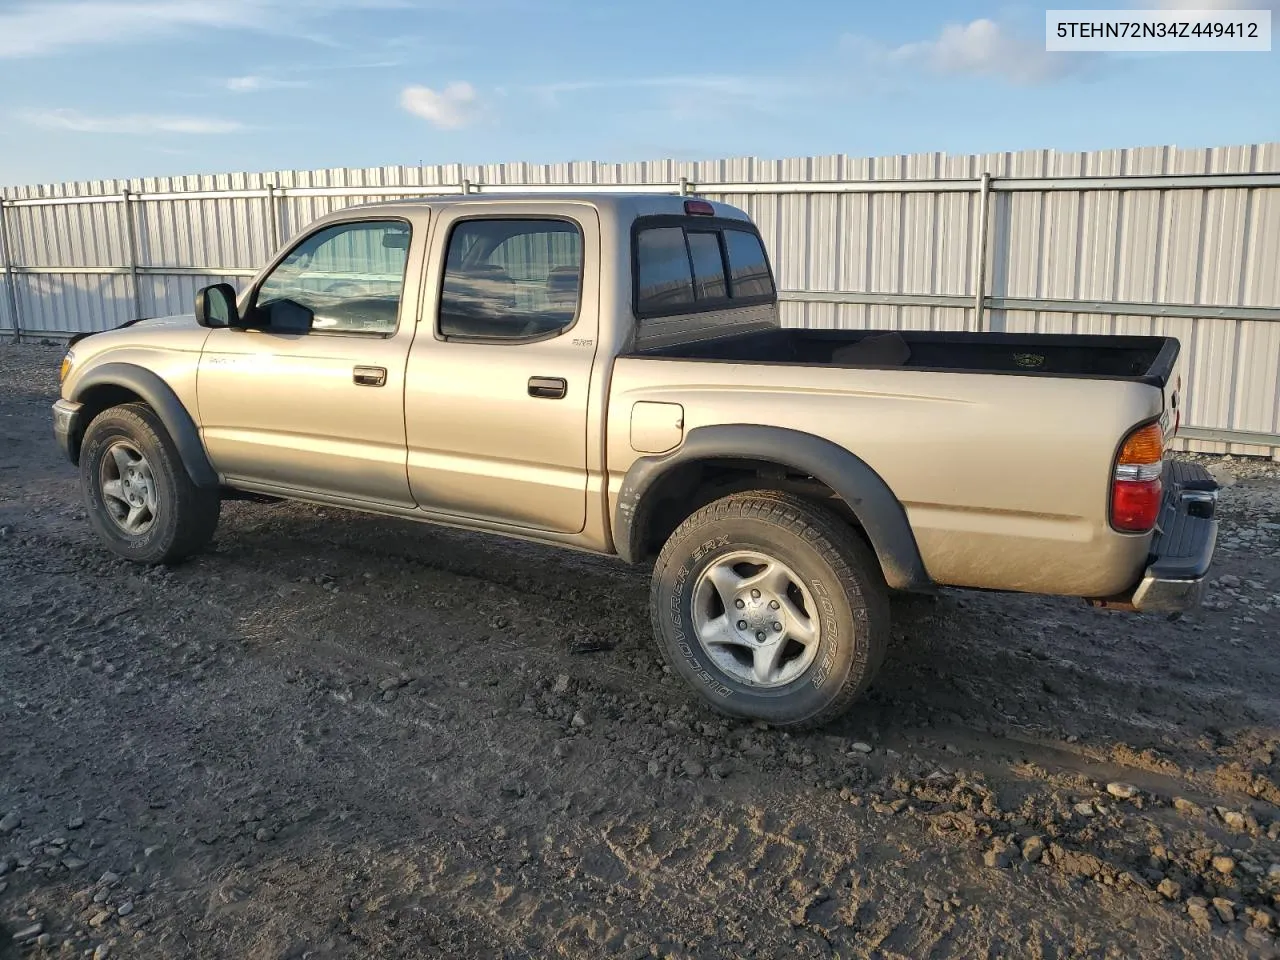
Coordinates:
<point>73,302</point>
<point>853,245</point>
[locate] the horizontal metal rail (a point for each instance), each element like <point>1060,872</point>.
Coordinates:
<point>1223,435</point>
<point>153,270</point>
<point>962,301</point>
<point>64,201</point>
<point>1190,181</point>
<point>1206,181</point>
<point>394,190</point>
<point>1123,308</point>
<point>1193,311</point>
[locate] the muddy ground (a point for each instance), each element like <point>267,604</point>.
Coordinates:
<point>337,736</point>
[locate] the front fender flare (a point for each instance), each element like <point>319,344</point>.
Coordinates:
<point>879,512</point>
<point>160,397</point>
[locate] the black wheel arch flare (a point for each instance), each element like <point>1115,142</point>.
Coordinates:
<point>160,397</point>
<point>879,512</point>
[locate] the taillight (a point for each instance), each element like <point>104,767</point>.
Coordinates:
<point>699,208</point>
<point>1136,488</point>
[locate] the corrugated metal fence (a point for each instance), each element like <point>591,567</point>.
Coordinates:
<point>1151,240</point>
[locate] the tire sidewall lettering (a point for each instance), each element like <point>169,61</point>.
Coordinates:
<point>830,631</point>
<point>675,611</point>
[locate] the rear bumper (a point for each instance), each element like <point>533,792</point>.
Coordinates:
<point>1182,549</point>
<point>66,426</point>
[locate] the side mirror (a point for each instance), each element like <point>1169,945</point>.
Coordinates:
<point>216,306</point>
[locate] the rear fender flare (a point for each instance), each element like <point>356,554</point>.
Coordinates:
<point>878,511</point>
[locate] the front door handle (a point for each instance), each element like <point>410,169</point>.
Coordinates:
<point>548,388</point>
<point>369,376</point>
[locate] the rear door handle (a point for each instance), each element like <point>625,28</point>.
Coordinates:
<point>369,376</point>
<point>548,388</point>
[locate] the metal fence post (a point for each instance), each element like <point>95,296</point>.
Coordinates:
<point>132,240</point>
<point>684,186</point>
<point>980,256</point>
<point>10,278</point>
<point>273,220</point>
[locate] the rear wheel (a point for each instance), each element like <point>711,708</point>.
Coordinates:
<point>141,501</point>
<point>772,607</point>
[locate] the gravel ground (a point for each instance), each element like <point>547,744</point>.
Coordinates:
<point>339,736</point>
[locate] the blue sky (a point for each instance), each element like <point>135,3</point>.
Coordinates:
<point>115,88</point>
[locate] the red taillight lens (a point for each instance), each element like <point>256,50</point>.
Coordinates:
<point>699,208</point>
<point>1135,505</point>
<point>1136,488</point>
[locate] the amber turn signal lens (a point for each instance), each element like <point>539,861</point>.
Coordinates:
<point>1136,487</point>
<point>1143,446</point>
<point>67,359</point>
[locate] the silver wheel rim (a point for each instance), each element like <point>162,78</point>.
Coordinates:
<point>755,619</point>
<point>128,488</point>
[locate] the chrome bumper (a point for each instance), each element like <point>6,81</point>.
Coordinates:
<point>1154,595</point>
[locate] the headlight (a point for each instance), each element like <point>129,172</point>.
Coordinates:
<point>68,359</point>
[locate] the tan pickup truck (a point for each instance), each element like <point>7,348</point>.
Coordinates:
<point>608,372</point>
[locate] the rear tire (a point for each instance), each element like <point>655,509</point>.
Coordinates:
<point>772,607</point>
<point>140,499</point>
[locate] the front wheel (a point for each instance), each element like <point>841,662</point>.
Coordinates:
<point>141,502</point>
<point>772,608</point>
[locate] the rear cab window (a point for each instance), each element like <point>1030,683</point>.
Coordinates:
<point>685,265</point>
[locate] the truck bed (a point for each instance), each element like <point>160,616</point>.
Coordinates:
<point>1147,360</point>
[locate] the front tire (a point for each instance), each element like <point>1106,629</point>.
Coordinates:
<point>772,608</point>
<point>141,502</point>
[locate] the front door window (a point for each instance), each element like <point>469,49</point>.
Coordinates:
<point>343,279</point>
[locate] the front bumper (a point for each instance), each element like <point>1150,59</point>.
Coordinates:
<point>67,428</point>
<point>1182,549</point>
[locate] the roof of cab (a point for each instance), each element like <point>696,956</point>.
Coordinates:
<point>620,204</point>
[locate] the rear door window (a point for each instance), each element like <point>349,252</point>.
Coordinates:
<point>511,279</point>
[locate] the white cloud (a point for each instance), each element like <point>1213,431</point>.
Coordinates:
<point>254,83</point>
<point>132,123</point>
<point>983,47</point>
<point>455,106</point>
<point>35,29</point>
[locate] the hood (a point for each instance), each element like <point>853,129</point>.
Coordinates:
<point>178,320</point>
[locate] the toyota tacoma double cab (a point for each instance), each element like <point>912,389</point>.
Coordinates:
<point>608,372</point>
